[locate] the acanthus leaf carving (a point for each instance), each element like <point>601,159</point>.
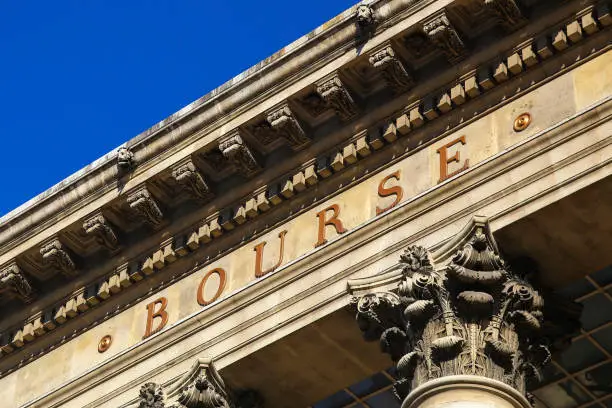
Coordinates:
<point>465,314</point>
<point>100,228</point>
<point>444,35</point>
<point>392,69</point>
<point>236,151</point>
<point>54,254</point>
<point>286,125</point>
<point>191,180</point>
<point>336,96</point>
<point>203,394</point>
<point>508,12</point>
<point>144,205</point>
<point>151,396</point>
<point>14,284</point>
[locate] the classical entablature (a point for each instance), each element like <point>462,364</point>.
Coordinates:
<point>386,83</point>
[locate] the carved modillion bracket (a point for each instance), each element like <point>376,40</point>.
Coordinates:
<point>508,12</point>
<point>191,180</point>
<point>56,255</point>
<point>336,96</point>
<point>285,124</point>
<point>14,284</point>
<point>98,227</point>
<point>236,151</point>
<point>443,34</point>
<point>144,206</point>
<point>460,311</point>
<point>200,387</point>
<point>391,68</point>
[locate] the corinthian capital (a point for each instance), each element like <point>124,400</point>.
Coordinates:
<point>442,33</point>
<point>391,68</point>
<point>238,153</point>
<point>14,284</point>
<point>459,311</point>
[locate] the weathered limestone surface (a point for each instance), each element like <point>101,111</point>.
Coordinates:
<point>485,138</point>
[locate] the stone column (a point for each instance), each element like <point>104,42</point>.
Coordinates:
<point>464,329</point>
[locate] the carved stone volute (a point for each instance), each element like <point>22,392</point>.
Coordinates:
<point>14,284</point>
<point>236,151</point>
<point>191,180</point>
<point>202,393</point>
<point>151,396</point>
<point>100,228</point>
<point>444,35</point>
<point>56,255</point>
<point>465,314</point>
<point>145,207</point>
<point>508,13</point>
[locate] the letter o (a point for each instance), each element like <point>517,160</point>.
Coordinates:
<point>222,280</point>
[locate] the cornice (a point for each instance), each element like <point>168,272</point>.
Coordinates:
<point>120,279</point>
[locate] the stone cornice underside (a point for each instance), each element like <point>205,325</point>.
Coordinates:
<point>145,203</point>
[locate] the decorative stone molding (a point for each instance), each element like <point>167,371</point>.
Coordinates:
<point>54,254</point>
<point>366,20</point>
<point>200,387</point>
<point>336,96</point>
<point>151,396</point>
<point>14,284</point>
<point>459,311</point>
<point>190,179</point>
<point>238,153</point>
<point>125,160</point>
<point>285,124</point>
<point>508,12</point>
<point>392,69</point>
<point>144,205</point>
<point>442,33</point>
<point>100,228</point>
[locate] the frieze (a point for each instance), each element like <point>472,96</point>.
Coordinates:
<point>410,118</point>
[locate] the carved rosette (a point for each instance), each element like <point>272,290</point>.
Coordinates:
<point>54,254</point>
<point>470,315</point>
<point>442,33</point>
<point>125,160</point>
<point>100,228</point>
<point>189,178</point>
<point>337,97</point>
<point>145,206</point>
<point>287,126</point>
<point>392,69</point>
<point>14,284</point>
<point>508,12</point>
<point>238,153</point>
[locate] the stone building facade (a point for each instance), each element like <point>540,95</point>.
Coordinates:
<point>409,206</point>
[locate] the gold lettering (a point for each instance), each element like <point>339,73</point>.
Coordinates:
<point>333,221</point>
<point>152,314</point>
<point>259,249</point>
<point>445,160</point>
<point>222,279</point>
<point>388,191</point>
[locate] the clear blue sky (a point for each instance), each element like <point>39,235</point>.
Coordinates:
<point>80,77</point>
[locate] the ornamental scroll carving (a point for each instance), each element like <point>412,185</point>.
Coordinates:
<point>508,12</point>
<point>14,284</point>
<point>336,96</point>
<point>236,151</point>
<point>392,69</point>
<point>284,123</point>
<point>444,35</point>
<point>191,180</point>
<point>144,205</point>
<point>200,387</point>
<point>54,254</point>
<point>469,314</point>
<point>100,228</point>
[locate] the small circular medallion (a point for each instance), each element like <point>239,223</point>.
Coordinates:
<point>105,343</point>
<point>522,122</point>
